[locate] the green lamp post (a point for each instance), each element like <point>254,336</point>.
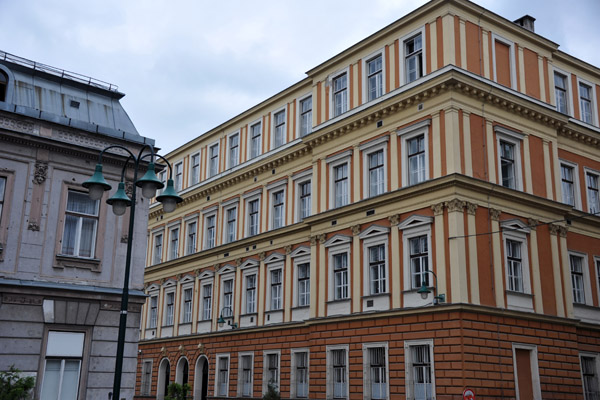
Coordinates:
<point>424,290</point>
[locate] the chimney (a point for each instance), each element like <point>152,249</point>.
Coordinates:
<point>527,22</point>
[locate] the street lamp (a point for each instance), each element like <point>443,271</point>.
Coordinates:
<point>149,183</point>
<point>221,320</point>
<point>424,290</point>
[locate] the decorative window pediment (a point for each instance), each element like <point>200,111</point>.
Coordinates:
<point>337,240</point>
<point>226,269</point>
<point>300,251</point>
<point>206,274</point>
<point>374,230</point>
<point>169,283</point>
<point>274,258</point>
<point>515,225</point>
<point>186,279</point>
<point>414,221</point>
<point>152,288</point>
<point>249,263</point>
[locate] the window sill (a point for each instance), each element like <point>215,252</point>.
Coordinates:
<point>585,306</point>
<point>64,261</point>
<point>274,311</point>
<point>519,294</point>
<point>301,307</point>
<point>339,301</point>
<point>371,296</point>
<point>185,323</point>
<point>252,314</point>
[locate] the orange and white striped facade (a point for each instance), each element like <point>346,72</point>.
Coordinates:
<point>451,141</point>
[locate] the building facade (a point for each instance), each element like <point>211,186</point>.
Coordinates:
<point>62,255</point>
<point>452,152</point>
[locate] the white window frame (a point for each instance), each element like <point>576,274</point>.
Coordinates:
<point>80,216</point>
<point>178,176</point>
<point>408,344</point>
<point>590,171</point>
<point>535,374</point>
<point>330,374</point>
<point>402,51</point>
<point>299,179</point>
<point>333,162</point>
<point>585,272</point>
<point>218,382</point>
<point>365,73</point>
<point>146,379</point>
<point>195,179</point>
<point>510,231</point>
<point>284,110</point>
<point>210,213</point>
<point>367,383</point>
<point>173,253</point>
<point>293,373</point>
<point>162,176</point>
<point>204,284</point>
<point>188,222</point>
<point>227,206</point>
<point>412,227</point>
<point>230,162</point>
<point>228,276</point>
<point>249,139</point>
<point>299,101</point>
<point>569,90</point>
<point>596,358</point>
<point>516,139</point>
<point>169,317</point>
<point>511,54</point>
<point>186,286</point>
<point>576,187</point>
<point>266,381</point>
<point>368,242</point>
<point>276,266</point>
<point>280,186</point>
<point>597,273</point>
<point>408,133</point>
<point>68,346</point>
<point>209,171</point>
<point>152,322</point>
<point>245,274</point>
<point>330,79</point>
<point>157,259</point>
<point>254,195</point>
<point>593,104</point>
<point>371,147</point>
<point>241,371</point>
<point>338,245</point>
<point>297,261</point>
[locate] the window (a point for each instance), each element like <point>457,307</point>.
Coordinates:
<point>209,231</point>
<point>374,159</point>
<point>153,311</point>
<point>337,364</point>
<point>187,305</point>
<point>507,164</point>
<point>586,102</point>
<point>170,308</point>
<point>222,376</point>
<point>174,243</point>
<point>419,261</point>
<point>593,195</point>
<point>253,217</point>
<point>2,190</point>
<point>305,116</point>
<point>278,217</point>
<point>416,159</point>
<point>81,224</point>
<point>514,265</point>
<point>207,302</point>
<point>246,375</point>
<point>340,272</point>
<point>299,372</point>
<point>413,58</point>
<point>340,94</point>
<point>157,249</point>
<point>577,278</point>
<point>230,224</point>
<point>567,175</point>
<point>589,376</point>
<point>375,371</point>
<point>276,289</point>
<point>146,378</point>
<point>420,383</point>
<point>271,371</point>
<point>213,160</point>
<point>178,182</point>
<point>279,130</point>
<point>377,274</point>
<point>162,176</point>
<point>516,262</point>
<point>3,86</point>
<point>303,284</point>
<point>509,158</point>
<point>195,170</point>
<point>374,77</point>
<point>340,185</point>
<point>560,92</point>
<point>227,298</point>
<point>234,150</point>
<point>251,294</point>
<point>255,140</point>
<point>503,61</point>
<point>304,189</point>
<point>62,366</point>
<point>190,247</point>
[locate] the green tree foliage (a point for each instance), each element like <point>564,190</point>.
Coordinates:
<point>13,386</point>
<point>175,391</point>
<point>272,393</point>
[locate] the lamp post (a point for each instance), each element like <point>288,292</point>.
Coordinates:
<point>149,183</point>
<point>424,290</point>
<point>221,320</point>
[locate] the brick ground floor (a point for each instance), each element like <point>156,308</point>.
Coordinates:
<point>434,352</point>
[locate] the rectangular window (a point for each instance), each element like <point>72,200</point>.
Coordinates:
<point>174,243</point>
<point>377,269</point>
<point>305,116</point>
<point>507,164</point>
<point>340,176</point>
<point>210,231</point>
<point>246,375</point>
<point>278,210</point>
<point>207,302</point>
<point>153,311</point>
<point>251,294</point>
<point>2,189</point>
<point>416,159</point>
<point>340,272</point>
<point>340,94</point>
<point>170,308</point>
<point>420,370</point>
<point>301,374</point>
<point>413,54</point>
<point>419,261</point>
<point>377,372</point>
<point>222,376</point>
<point>62,365</point>
<point>560,92</point>
<point>593,194</point>
<point>514,265</point>
<point>187,305</point>
<point>376,173</point>
<point>81,224</point>
<point>577,265</point>
<point>234,150</point>
<point>231,225</point>
<point>375,77</point>
<point>568,184</point>
<point>157,250</point>
<point>253,219</point>
<point>195,176</point>
<point>585,101</point>
<point>178,181</point>
<point>276,289</point>
<point>279,131</point>
<point>338,364</point>
<point>255,140</point>
<point>146,378</point>
<point>227,298</point>
<point>305,200</point>
<point>162,176</point>
<point>272,373</point>
<point>303,284</point>
<point>190,247</point>
<point>589,376</point>
<point>213,160</point>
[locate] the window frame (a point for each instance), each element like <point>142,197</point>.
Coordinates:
<point>588,171</point>
<point>405,135</point>
<point>414,227</point>
<point>203,310</point>
<point>533,365</point>
<point>241,370</point>
<point>586,288</point>
<point>596,361</point>
<point>298,180</point>
<point>195,178</point>
<point>255,195</point>
<point>173,251</point>
<point>299,101</point>
<point>367,149</point>
<point>169,307</point>
<point>367,381</point>
<point>212,162</point>
<point>512,58</point>
<point>332,163</point>
<point>189,241</point>
<point>294,373</point>
<point>222,303</point>
<point>380,53</point>
<point>99,216</point>
<point>218,376</point>
<point>568,91</point>
<point>156,257</point>
<point>188,286</point>
<point>146,378</point>
<point>232,162</point>
<point>152,322</point>
<point>271,270</point>
<point>178,176</point>
<point>593,104</point>
<point>247,273</point>
<point>266,369</point>
<point>209,238</point>
<point>330,374</point>
<point>576,188</point>
<point>250,138</point>
<point>274,127</point>
<point>233,204</point>
<point>272,190</point>
<point>408,370</point>
<point>403,73</point>
<point>345,106</point>
<point>335,246</point>
<point>515,139</point>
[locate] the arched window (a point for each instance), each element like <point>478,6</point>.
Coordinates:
<point>201,379</point>
<point>3,85</point>
<point>182,371</point>
<point>164,376</point>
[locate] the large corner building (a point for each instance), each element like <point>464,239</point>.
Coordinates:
<point>454,152</point>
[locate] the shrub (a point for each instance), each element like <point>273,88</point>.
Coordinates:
<point>13,386</point>
<point>272,393</point>
<point>175,391</point>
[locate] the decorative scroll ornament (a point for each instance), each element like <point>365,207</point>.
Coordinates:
<point>438,208</point>
<point>40,172</point>
<point>495,214</point>
<point>355,229</point>
<point>394,219</point>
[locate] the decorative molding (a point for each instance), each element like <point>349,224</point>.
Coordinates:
<point>18,125</point>
<point>288,249</point>
<point>322,238</point>
<point>438,209</point>
<point>129,189</point>
<point>262,255</point>
<point>394,219</point>
<point>471,208</point>
<point>355,229</point>
<point>553,229</point>
<point>124,238</point>
<point>85,141</point>
<point>533,223</point>
<point>40,172</point>
<point>181,350</point>
<point>313,240</point>
<point>495,214</point>
<point>22,299</point>
<point>562,231</point>
<point>33,226</point>
<point>238,262</point>
<point>455,205</point>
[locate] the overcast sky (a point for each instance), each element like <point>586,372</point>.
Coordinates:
<point>187,66</point>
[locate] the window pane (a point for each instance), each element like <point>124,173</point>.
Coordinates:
<point>70,381</point>
<point>68,244</point>
<point>51,383</point>
<point>88,231</point>
<point>81,203</point>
